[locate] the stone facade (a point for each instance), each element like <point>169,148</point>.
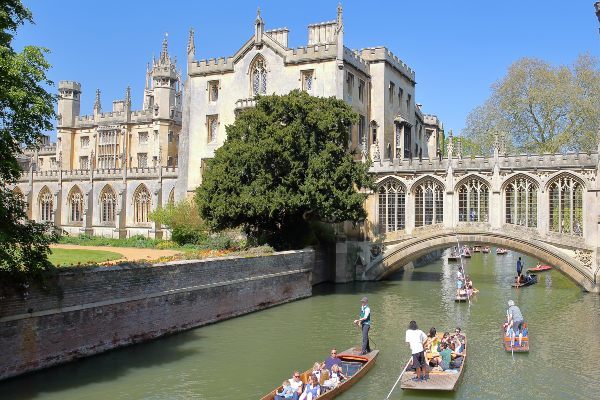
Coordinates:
<point>373,81</point>
<point>109,307</point>
<point>108,170</point>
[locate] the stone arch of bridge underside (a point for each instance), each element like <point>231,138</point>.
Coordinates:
<point>396,256</point>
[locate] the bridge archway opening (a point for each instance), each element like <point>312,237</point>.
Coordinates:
<point>399,255</point>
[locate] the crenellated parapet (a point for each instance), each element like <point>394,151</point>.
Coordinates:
<point>381,53</point>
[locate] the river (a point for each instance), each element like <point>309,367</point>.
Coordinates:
<point>245,357</point>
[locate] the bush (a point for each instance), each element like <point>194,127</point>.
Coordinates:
<point>184,221</point>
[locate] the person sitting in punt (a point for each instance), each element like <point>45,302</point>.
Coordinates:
<point>336,377</point>
<point>316,371</point>
<point>332,360</point>
<point>458,339</point>
<point>431,348</point>
<point>445,339</point>
<point>312,389</point>
<point>286,392</point>
<point>297,384</point>
<point>446,355</point>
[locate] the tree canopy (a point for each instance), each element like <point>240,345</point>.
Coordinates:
<point>284,165</point>
<point>26,111</point>
<point>538,107</point>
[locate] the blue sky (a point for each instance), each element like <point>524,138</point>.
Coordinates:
<point>457,48</point>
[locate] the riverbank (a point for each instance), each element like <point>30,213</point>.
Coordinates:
<point>91,310</point>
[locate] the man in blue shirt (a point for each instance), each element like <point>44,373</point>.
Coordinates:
<point>364,321</point>
<point>331,361</point>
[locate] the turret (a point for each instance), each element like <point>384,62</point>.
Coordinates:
<point>165,82</point>
<point>69,97</point>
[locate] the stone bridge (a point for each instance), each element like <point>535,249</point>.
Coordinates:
<point>544,205</point>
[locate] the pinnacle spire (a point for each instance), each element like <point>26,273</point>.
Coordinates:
<point>164,54</point>
<point>97,105</point>
<point>339,14</point>
<point>128,96</point>
<point>191,47</point>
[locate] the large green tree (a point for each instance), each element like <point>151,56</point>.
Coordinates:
<point>538,107</point>
<point>26,110</point>
<point>285,164</point>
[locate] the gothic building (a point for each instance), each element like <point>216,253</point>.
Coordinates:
<point>108,170</point>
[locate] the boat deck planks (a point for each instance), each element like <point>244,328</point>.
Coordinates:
<point>438,380</point>
<point>369,361</point>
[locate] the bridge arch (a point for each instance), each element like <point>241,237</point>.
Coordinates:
<point>396,256</point>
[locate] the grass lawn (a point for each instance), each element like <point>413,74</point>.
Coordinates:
<point>74,256</point>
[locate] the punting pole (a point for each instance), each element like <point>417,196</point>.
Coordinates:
<point>397,380</point>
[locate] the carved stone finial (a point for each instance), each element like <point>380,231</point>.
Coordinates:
<point>128,97</point>
<point>164,54</point>
<point>339,14</point>
<point>450,146</point>
<point>376,155</point>
<point>459,147</point>
<point>259,19</point>
<point>97,104</point>
<point>496,141</point>
<point>191,48</point>
<point>503,148</point>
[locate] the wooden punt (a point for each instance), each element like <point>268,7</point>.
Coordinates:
<point>525,343</point>
<point>476,249</point>
<point>466,254</point>
<point>453,257</point>
<point>485,249</point>
<point>501,251</point>
<point>541,268</point>
<point>465,298</point>
<point>531,281</point>
<point>438,380</point>
<point>354,366</point>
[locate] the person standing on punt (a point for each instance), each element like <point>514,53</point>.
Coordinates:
<point>519,266</point>
<point>416,338</point>
<point>364,322</point>
<point>515,322</point>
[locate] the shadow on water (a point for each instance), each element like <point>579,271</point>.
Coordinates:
<point>102,367</point>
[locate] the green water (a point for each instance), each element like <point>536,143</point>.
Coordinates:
<point>244,358</point>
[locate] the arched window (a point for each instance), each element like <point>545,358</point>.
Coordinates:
<point>566,205</point>
<point>141,204</point>
<point>521,202</point>
<point>171,200</point>
<point>392,199</point>
<point>75,203</point>
<point>258,76</point>
<point>429,203</point>
<point>473,201</point>
<point>46,202</point>
<point>108,204</point>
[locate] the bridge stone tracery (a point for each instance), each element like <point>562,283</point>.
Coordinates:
<point>546,205</point>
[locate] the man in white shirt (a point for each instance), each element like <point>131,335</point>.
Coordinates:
<point>416,339</point>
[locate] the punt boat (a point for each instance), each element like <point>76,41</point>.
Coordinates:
<point>501,251</point>
<point>354,367</point>
<point>437,380</point>
<point>463,296</point>
<point>485,249</point>
<point>516,349</point>
<point>532,279</point>
<point>541,268</point>
<point>476,249</point>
